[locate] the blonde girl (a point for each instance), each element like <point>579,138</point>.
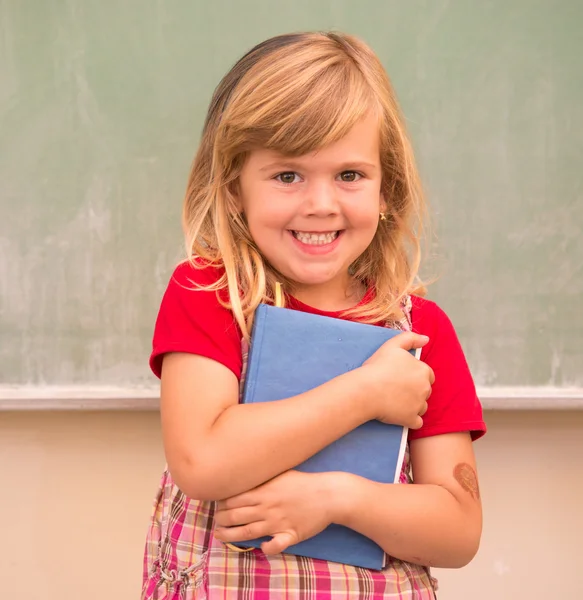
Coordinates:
<point>305,176</point>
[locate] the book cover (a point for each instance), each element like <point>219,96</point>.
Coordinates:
<point>292,352</point>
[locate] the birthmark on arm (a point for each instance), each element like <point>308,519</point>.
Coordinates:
<point>466,476</point>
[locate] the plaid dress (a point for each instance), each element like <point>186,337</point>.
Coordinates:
<point>184,561</point>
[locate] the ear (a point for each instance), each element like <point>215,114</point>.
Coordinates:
<point>382,203</point>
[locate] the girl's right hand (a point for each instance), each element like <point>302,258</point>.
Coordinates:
<point>398,383</point>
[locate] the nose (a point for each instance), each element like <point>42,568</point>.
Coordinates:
<point>321,199</point>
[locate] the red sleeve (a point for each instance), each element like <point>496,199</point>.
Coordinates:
<point>453,405</point>
<point>193,321</point>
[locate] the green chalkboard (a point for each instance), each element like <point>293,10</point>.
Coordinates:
<point>101,107</point>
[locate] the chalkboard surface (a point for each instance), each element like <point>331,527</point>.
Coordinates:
<point>101,108</point>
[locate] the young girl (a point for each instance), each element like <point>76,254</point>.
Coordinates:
<point>305,176</point>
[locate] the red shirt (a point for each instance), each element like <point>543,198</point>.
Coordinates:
<point>193,321</point>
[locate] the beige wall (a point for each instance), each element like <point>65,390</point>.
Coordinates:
<point>77,490</point>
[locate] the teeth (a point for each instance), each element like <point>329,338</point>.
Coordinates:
<point>316,239</point>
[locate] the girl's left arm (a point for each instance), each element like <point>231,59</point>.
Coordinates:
<point>437,521</point>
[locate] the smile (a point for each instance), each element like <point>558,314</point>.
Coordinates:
<point>315,239</point>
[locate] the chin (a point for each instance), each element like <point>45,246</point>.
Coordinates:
<point>316,278</point>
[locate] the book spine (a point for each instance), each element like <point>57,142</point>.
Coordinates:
<point>253,358</point>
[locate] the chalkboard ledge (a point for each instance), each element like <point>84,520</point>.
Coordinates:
<point>146,398</point>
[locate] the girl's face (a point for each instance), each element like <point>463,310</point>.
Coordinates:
<point>313,215</point>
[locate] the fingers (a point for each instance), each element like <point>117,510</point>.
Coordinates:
<point>236,516</point>
<point>417,423</point>
<point>279,543</point>
<point>245,499</point>
<point>276,545</point>
<point>428,385</point>
<point>409,341</point>
<point>242,533</point>
<point>431,375</point>
<point>424,407</point>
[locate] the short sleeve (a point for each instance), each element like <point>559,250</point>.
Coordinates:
<point>453,405</point>
<point>193,321</point>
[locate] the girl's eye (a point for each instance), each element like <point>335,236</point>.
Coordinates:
<point>287,178</point>
<point>350,176</point>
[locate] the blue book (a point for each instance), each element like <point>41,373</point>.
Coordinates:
<point>292,352</point>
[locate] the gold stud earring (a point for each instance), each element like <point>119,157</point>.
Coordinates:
<point>383,216</point>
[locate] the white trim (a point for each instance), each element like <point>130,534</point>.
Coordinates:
<point>80,397</point>
<point>146,398</point>
<point>531,398</point>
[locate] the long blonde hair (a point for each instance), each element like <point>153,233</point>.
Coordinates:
<point>295,94</point>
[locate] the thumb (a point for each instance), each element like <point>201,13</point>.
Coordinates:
<point>278,543</point>
<point>409,341</point>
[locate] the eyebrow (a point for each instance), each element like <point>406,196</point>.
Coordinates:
<point>292,165</point>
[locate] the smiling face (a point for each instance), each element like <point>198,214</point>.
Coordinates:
<point>312,216</point>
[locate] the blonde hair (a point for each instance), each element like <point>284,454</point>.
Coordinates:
<point>295,94</point>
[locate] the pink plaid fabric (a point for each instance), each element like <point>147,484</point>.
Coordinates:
<point>183,560</point>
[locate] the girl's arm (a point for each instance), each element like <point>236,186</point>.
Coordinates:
<point>437,521</point>
<point>217,448</point>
